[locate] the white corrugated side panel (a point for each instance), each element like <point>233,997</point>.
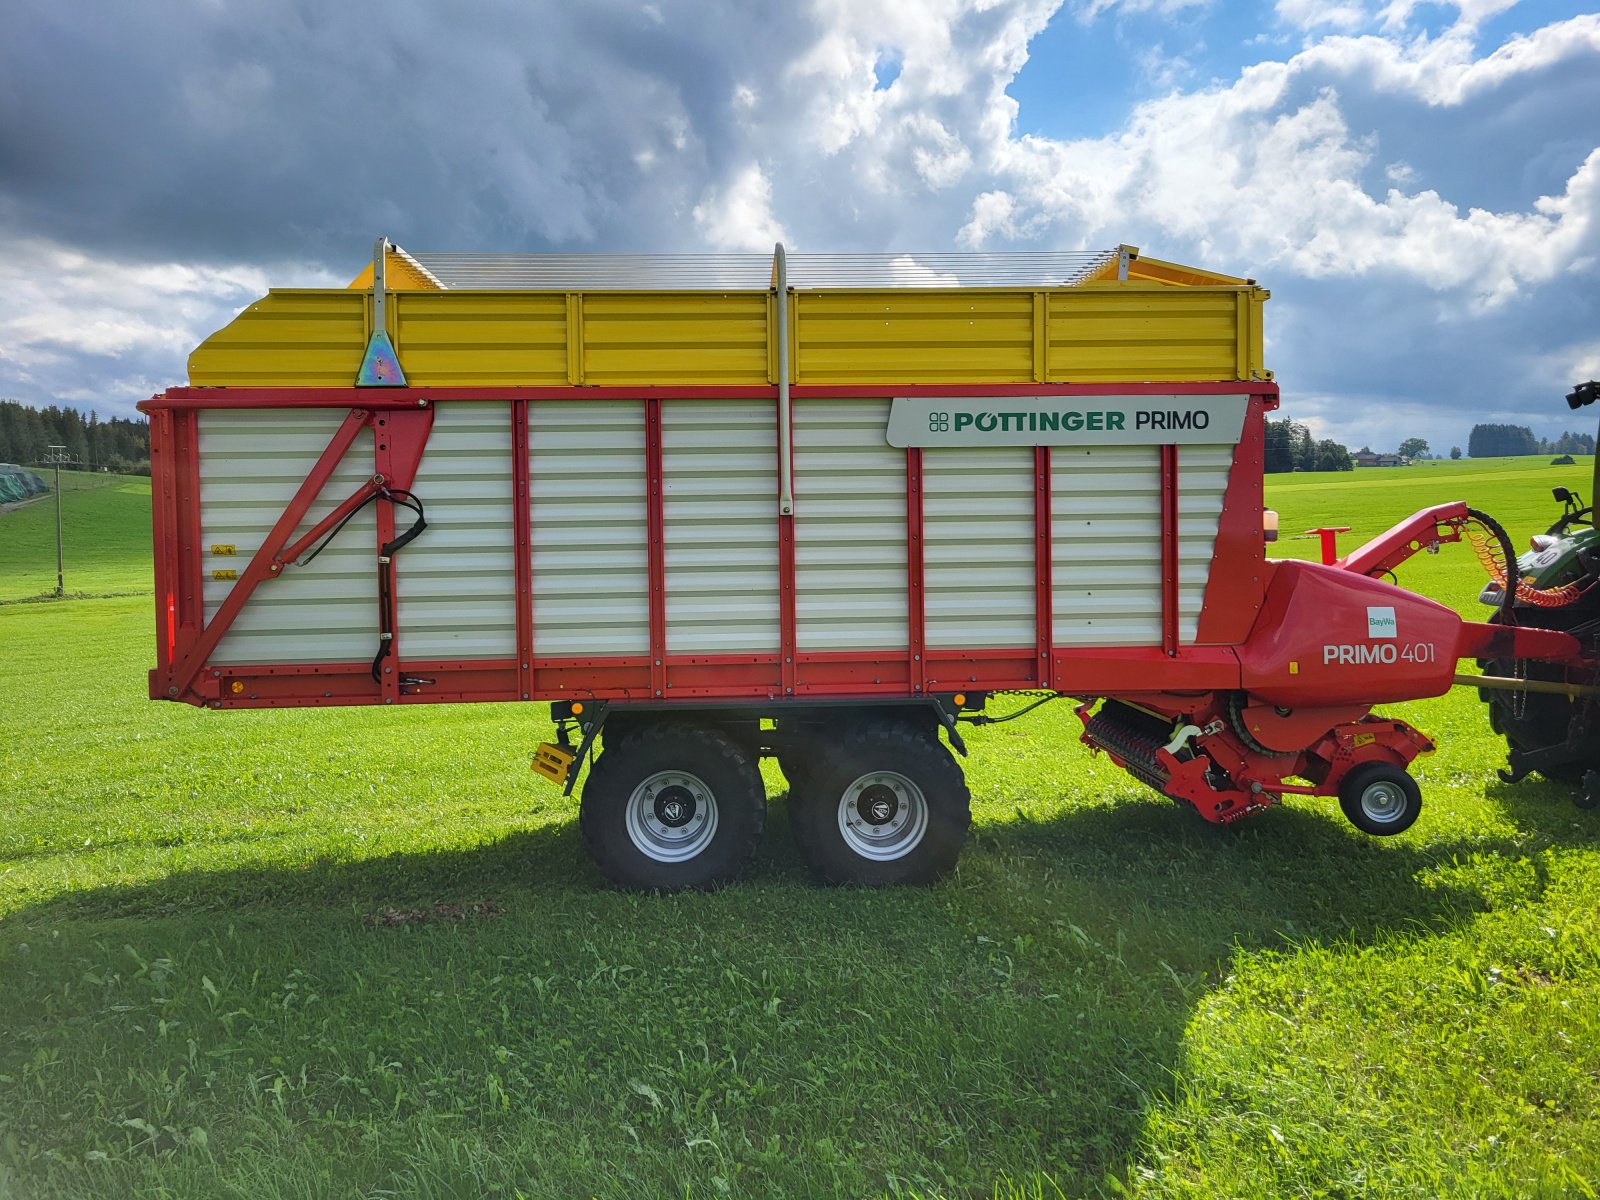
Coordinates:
<point>457,583</point>
<point>850,528</point>
<point>719,464</point>
<point>251,463</point>
<point>1105,530</point>
<point>591,582</point>
<point>1202,482</point>
<point>978,547</point>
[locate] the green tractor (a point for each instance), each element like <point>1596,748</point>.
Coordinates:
<point>1552,727</point>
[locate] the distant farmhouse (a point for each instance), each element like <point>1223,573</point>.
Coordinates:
<point>1366,458</point>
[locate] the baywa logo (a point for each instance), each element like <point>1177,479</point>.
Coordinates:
<point>1381,623</point>
<point>938,422</point>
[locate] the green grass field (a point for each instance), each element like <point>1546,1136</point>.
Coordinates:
<point>105,542</point>
<point>361,953</point>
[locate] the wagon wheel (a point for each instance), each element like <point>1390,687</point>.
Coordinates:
<point>889,806</point>
<point>668,807</point>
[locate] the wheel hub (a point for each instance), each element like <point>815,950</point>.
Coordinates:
<point>1382,801</point>
<point>671,816</point>
<point>675,806</point>
<point>878,804</point>
<point>883,815</point>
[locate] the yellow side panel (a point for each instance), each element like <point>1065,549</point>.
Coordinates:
<point>1102,331</point>
<point>935,336</point>
<point>673,338</point>
<point>1133,333</point>
<point>287,339</point>
<point>490,339</point>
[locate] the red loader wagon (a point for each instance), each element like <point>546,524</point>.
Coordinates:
<point>819,508</point>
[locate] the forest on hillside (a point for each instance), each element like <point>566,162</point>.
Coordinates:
<point>117,444</point>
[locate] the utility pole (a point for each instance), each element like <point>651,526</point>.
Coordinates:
<point>56,457</point>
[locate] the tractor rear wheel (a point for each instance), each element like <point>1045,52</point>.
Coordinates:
<point>1532,721</point>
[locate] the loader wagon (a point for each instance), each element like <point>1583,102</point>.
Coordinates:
<point>819,508</point>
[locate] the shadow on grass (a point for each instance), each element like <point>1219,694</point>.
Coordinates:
<point>1021,1017</point>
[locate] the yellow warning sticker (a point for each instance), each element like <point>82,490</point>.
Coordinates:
<point>1363,739</point>
<point>223,548</point>
<point>224,574</point>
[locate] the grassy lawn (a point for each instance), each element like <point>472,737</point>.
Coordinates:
<point>361,953</point>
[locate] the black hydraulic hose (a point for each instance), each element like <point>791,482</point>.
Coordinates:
<point>984,719</point>
<point>1508,598</point>
<point>401,498</point>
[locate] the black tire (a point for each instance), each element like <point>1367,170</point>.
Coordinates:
<point>809,749</point>
<point>669,807</point>
<point>1381,799</point>
<point>888,806</point>
<point>1534,720</point>
<point>797,770</point>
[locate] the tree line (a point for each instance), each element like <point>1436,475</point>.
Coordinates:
<point>117,444</point>
<point>1290,447</point>
<point>1506,441</point>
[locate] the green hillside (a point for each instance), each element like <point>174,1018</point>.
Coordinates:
<point>105,527</point>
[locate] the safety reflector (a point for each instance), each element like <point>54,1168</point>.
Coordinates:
<point>553,762</point>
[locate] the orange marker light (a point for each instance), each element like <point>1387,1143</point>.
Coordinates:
<point>577,708</point>
<point>237,686</point>
<point>961,700</point>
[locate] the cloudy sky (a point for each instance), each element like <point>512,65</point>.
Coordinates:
<point>1418,183</point>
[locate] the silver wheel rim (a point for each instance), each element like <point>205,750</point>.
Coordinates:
<point>883,816</point>
<point>672,816</point>
<point>1383,801</point>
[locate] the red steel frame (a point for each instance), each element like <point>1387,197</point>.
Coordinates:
<point>1233,596</point>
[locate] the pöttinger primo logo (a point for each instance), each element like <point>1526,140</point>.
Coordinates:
<point>1381,622</point>
<point>938,422</point>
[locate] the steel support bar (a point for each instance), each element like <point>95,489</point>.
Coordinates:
<point>369,489</point>
<point>916,589</point>
<point>656,550</point>
<point>780,284</point>
<point>1505,683</point>
<point>521,483</point>
<point>1169,550</point>
<point>1043,570</point>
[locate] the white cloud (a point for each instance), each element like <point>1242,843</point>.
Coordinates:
<point>739,217</point>
<point>1088,10</point>
<point>77,328</point>
<point>1260,176</point>
<point>1397,13</point>
<point>1431,197</point>
<point>1316,14</point>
